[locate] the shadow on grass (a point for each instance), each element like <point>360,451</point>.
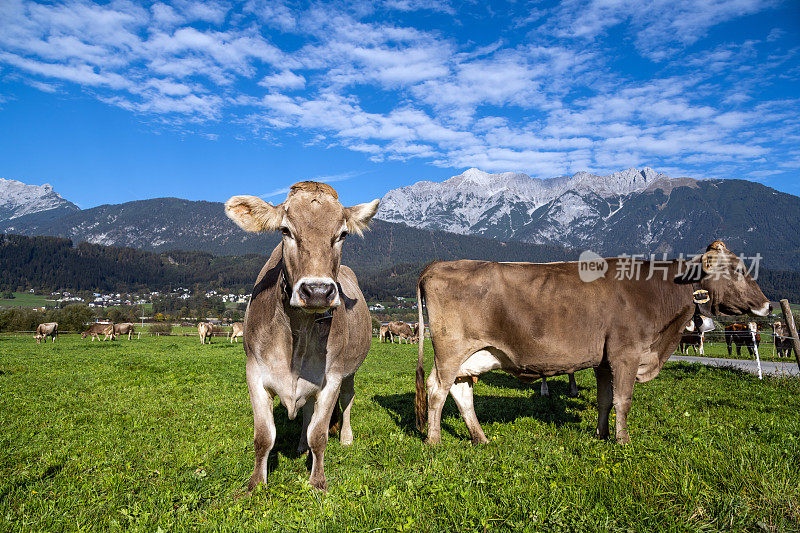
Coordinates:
<point>490,409</point>
<point>50,472</point>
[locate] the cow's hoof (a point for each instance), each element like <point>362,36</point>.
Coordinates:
<point>433,441</point>
<point>574,395</point>
<point>302,450</point>
<point>623,439</point>
<point>479,441</point>
<point>320,484</point>
<point>346,439</point>
<point>254,482</point>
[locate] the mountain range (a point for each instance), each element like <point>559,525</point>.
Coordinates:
<point>508,216</point>
<point>628,212</point>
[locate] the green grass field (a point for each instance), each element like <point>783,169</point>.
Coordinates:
<point>156,434</point>
<point>26,299</point>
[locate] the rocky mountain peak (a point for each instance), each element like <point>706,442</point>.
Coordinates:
<point>18,199</point>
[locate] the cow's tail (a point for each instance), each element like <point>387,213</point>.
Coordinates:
<point>421,396</point>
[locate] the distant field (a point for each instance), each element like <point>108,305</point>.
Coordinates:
<point>25,299</point>
<point>157,433</point>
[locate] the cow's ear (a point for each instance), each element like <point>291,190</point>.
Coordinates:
<point>254,214</point>
<point>358,216</point>
<point>693,272</point>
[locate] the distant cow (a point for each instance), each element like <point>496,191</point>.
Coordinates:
<point>383,333</point>
<point>539,320</point>
<point>95,330</point>
<point>783,341</point>
<point>48,329</point>
<point>401,331</point>
<point>307,328</point>
<point>237,331</point>
<point>125,328</point>
<point>741,334</point>
<point>573,387</point>
<point>694,335</point>
<point>206,331</point>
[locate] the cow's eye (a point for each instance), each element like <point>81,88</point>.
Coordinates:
<point>342,236</point>
<point>286,232</point>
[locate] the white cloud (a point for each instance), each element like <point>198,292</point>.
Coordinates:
<point>352,76</point>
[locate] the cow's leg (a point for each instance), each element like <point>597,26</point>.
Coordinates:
<point>605,395</point>
<point>623,378</point>
<point>545,390</point>
<point>573,386</point>
<point>264,431</point>
<point>318,432</point>
<point>462,394</point>
<point>346,397</point>
<point>437,394</point>
<point>730,351</point>
<point>308,412</point>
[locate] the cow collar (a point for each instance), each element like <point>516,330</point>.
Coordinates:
<point>701,299</point>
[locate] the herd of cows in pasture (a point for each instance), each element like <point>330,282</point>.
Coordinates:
<point>307,328</point>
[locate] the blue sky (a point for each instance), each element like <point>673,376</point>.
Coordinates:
<point>121,100</point>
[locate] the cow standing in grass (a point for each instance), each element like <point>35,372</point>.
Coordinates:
<point>742,334</point>
<point>400,331</point>
<point>206,331</point>
<point>383,333</point>
<point>237,331</point>
<point>48,329</point>
<point>307,326</point>
<point>95,330</point>
<point>783,340</point>
<point>539,320</point>
<point>125,328</point>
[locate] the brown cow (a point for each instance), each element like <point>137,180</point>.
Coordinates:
<point>539,320</point>
<point>741,334</point>
<point>783,340</point>
<point>383,333</point>
<point>206,331</point>
<point>48,329</point>
<point>307,328</point>
<point>125,328</point>
<point>97,329</point>
<point>401,331</point>
<point>237,331</point>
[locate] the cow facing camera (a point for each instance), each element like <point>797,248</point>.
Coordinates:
<point>591,266</point>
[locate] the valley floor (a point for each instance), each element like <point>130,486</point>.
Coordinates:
<point>157,433</point>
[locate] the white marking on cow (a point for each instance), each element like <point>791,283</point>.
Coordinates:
<point>478,363</point>
<point>763,311</point>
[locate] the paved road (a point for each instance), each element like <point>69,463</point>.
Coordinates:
<point>767,367</point>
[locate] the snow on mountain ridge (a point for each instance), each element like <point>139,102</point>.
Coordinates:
<point>18,199</point>
<point>502,204</point>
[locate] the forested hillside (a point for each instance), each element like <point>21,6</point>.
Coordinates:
<point>52,263</point>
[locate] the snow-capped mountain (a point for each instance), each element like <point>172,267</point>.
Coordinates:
<point>628,212</point>
<point>18,199</point>
<point>502,205</point>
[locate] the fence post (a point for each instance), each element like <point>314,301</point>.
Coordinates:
<point>789,320</point>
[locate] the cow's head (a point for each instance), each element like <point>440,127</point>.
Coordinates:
<point>777,329</point>
<point>314,225</point>
<point>731,288</point>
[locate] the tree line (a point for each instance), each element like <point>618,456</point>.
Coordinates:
<point>50,264</point>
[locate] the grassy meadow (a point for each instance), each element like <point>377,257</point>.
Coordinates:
<point>25,299</point>
<point>156,434</point>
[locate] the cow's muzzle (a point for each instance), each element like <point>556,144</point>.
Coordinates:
<point>315,294</point>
